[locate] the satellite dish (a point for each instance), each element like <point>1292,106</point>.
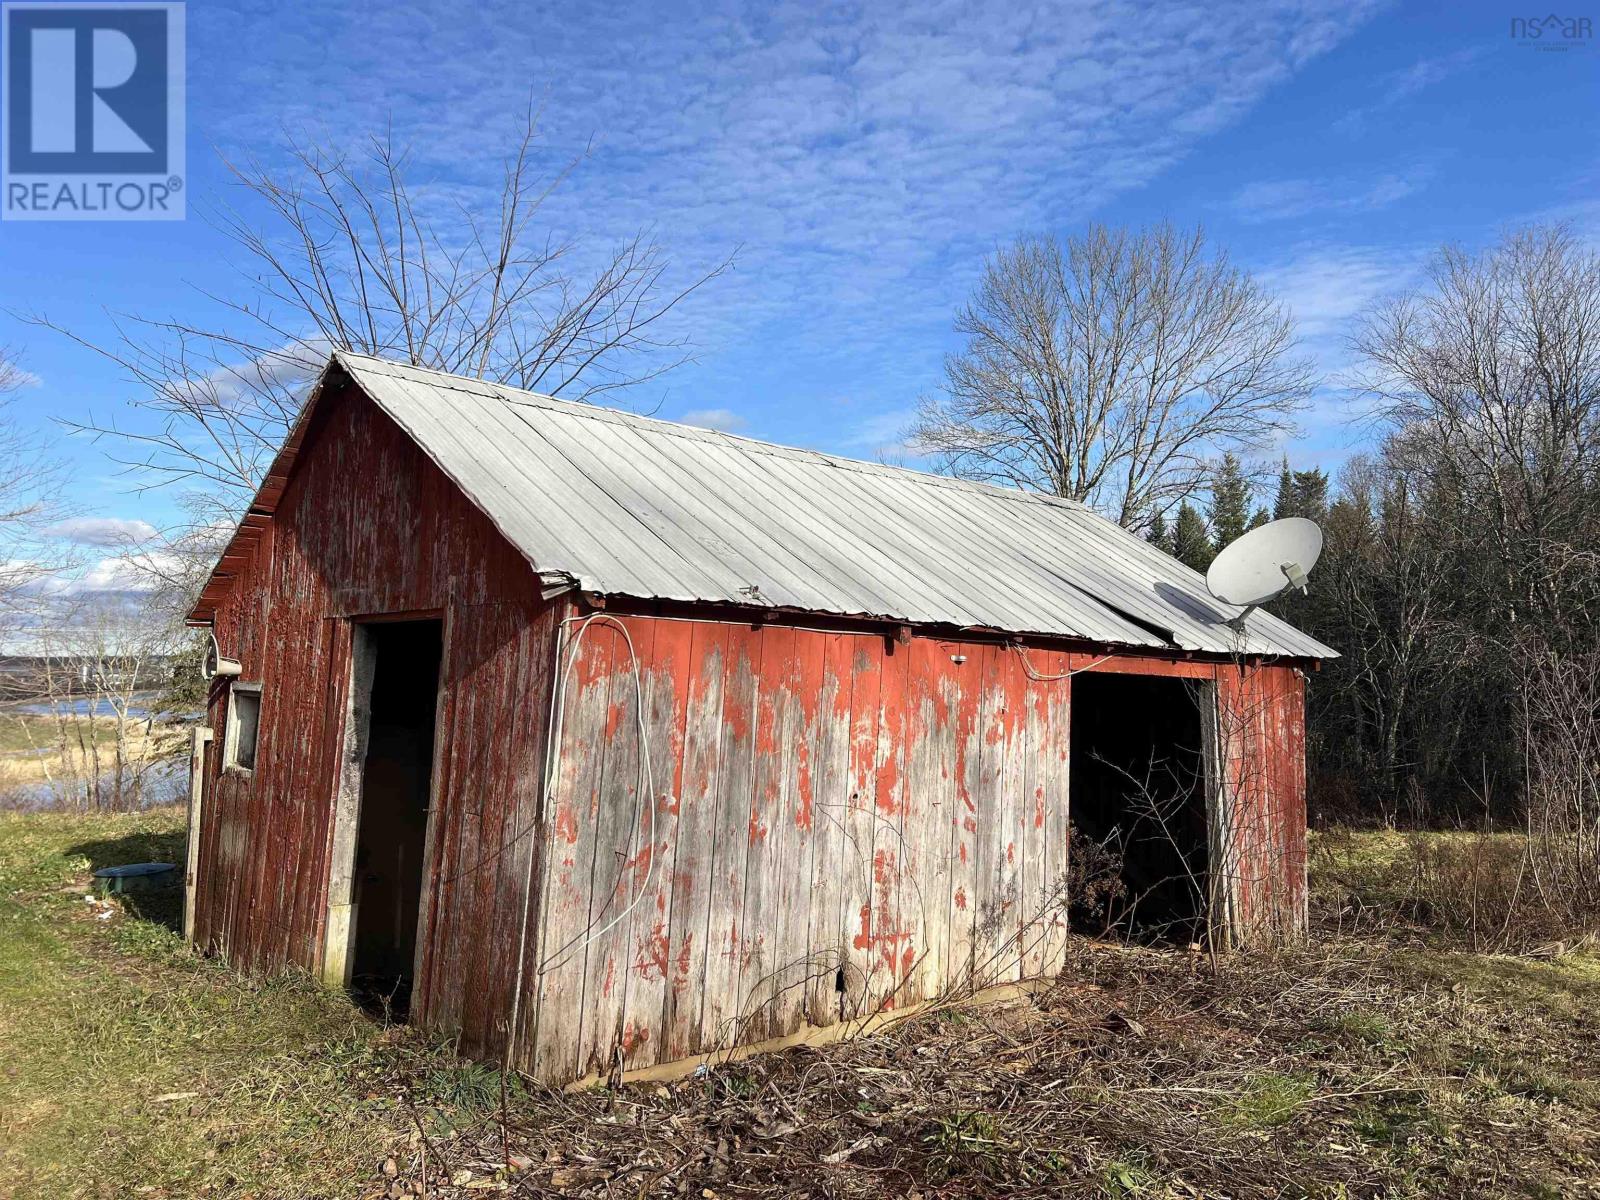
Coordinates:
<point>1265,563</point>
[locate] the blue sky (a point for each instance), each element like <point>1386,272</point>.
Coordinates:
<point>865,158</point>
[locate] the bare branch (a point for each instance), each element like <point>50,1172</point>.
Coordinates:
<point>1113,370</point>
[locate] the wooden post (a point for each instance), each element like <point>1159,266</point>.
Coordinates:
<point>191,869</point>
<point>340,923</point>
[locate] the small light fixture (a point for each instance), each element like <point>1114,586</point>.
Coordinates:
<point>215,666</point>
<point>958,659</point>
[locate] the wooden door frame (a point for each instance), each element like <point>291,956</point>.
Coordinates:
<point>200,741</point>
<point>340,916</point>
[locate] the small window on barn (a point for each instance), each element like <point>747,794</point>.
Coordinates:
<point>244,720</point>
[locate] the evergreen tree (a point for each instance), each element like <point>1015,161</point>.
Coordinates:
<point>1230,502</point>
<point>1191,544</point>
<point>1301,494</point>
<point>1284,505</point>
<point>1261,518</point>
<point>1160,536</point>
<point>1311,495</point>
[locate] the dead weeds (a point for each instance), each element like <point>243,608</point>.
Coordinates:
<point>1340,1070</point>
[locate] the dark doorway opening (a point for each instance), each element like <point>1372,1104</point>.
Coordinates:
<point>1138,858</point>
<point>396,781</point>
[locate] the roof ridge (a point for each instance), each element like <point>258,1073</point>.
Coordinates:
<point>578,408</point>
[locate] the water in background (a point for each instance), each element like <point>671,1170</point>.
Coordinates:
<point>165,781</point>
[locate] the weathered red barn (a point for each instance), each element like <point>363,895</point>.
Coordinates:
<point>609,742</point>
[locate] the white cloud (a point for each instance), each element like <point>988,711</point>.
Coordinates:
<point>725,420</point>
<point>103,531</point>
<point>1282,199</point>
<point>1401,85</point>
<point>125,573</point>
<point>1327,286</point>
<point>885,436</point>
<point>866,157</point>
<point>119,574</point>
<point>287,370</point>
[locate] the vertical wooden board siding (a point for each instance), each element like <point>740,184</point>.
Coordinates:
<point>760,961</point>
<point>930,802</point>
<point>1032,851</point>
<point>866,671</point>
<point>802,734</point>
<point>1261,718</point>
<point>1054,754</point>
<point>1008,825</point>
<point>571,847</point>
<point>895,932</point>
<point>667,674</point>
<point>429,993</point>
<point>829,764</point>
<point>365,526</point>
<point>985,769</point>
<point>612,803</point>
<point>491,657</point>
<point>307,905</point>
<point>696,833</point>
<point>459,844</point>
<point>632,807</point>
<point>727,937</point>
<point>965,813</point>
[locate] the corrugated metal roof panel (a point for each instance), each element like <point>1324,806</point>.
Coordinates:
<point>633,506</point>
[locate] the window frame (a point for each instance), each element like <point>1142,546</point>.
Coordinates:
<point>230,735</point>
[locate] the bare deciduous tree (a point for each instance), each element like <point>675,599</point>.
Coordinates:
<point>1113,369</point>
<point>29,483</point>
<point>1493,373</point>
<point>358,255</point>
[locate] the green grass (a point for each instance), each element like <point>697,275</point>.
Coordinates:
<point>1270,1100</point>
<point>125,1058</point>
<point>14,733</point>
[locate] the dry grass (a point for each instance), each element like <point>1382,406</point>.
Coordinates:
<point>31,749</point>
<point>1487,891</point>
<point>1375,1063</point>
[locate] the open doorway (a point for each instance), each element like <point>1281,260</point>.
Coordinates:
<point>1137,799</point>
<point>401,659</point>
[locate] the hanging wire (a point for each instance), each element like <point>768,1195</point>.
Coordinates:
<point>566,658</point>
<point>1028,668</point>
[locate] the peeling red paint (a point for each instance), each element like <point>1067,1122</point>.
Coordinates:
<point>655,954</point>
<point>685,956</point>
<point>863,940</point>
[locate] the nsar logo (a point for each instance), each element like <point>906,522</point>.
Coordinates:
<point>1553,32</point>
<point>92,111</point>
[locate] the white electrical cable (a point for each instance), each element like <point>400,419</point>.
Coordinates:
<point>646,782</point>
<point>1027,667</point>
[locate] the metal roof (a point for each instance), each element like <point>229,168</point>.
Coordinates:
<point>619,504</point>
